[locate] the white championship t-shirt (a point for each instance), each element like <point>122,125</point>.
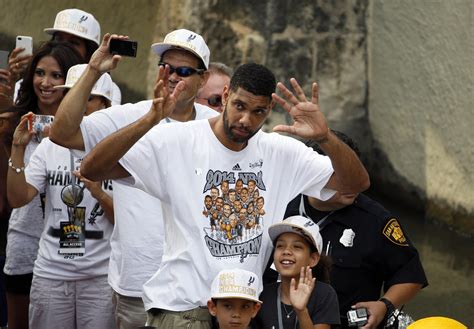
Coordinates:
<point>138,236</point>
<point>74,244</point>
<point>206,230</point>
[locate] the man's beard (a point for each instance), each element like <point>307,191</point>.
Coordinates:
<point>230,134</point>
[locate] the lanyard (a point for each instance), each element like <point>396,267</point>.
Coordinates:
<point>322,222</point>
<point>280,319</point>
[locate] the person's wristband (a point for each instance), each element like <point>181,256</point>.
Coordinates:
<point>18,170</point>
<point>390,307</point>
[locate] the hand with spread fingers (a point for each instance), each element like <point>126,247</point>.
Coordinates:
<point>17,65</point>
<point>301,291</point>
<point>309,121</point>
<point>102,60</point>
<point>164,101</point>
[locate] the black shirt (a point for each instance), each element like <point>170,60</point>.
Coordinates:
<point>322,307</point>
<point>369,250</point>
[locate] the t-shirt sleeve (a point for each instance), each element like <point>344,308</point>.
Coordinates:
<point>146,163</point>
<point>35,171</point>
<point>401,260</point>
<point>310,170</point>
<point>325,306</point>
<point>100,124</point>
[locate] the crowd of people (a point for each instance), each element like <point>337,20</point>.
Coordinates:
<point>179,211</point>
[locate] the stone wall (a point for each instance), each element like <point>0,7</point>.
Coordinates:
<point>421,96</point>
<point>322,41</point>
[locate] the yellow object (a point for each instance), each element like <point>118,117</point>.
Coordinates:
<point>436,322</point>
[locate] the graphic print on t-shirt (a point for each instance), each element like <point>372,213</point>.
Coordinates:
<point>72,239</point>
<point>235,211</point>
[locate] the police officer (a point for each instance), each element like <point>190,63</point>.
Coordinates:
<point>369,250</point>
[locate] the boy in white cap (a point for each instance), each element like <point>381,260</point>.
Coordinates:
<point>101,94</point>
<point>298,301</point>
<point>234,301</point>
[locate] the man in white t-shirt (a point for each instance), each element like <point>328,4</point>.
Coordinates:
<point>180,163</point>
<point>137,240</point>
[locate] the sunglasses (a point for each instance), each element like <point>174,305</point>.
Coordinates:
<point>182,71</point>
<point>214,100</point>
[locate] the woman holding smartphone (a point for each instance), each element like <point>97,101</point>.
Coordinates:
<point>37,94</point>
<point>69,287</point>
<point>78,28</point>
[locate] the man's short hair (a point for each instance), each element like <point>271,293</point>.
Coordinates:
<point>220,68</point>
<point>254,78</point>
<point>343,137</point>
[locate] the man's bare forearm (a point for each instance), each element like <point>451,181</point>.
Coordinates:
<point>65,130</point>
<point>350,174</point>
<point>102,161</point>
<point>402,293</point>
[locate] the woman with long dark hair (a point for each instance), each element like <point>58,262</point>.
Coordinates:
<point>48,68</point>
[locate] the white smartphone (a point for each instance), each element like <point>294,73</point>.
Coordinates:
<point>24,42</point>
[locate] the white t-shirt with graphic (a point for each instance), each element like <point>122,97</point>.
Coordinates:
<point>137,239</point>
<point>24,230</point>
<point>74,244</point>
<point>209,227</point>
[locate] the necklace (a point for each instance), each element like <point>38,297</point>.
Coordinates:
<point>288,314</point>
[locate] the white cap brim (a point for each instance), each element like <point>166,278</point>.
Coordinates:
<point>92,93</point>
<point>161,47</point>
<point>52,31</point>
<point>284,227</point>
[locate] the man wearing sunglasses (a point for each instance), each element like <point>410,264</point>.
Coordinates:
<point>211,93</point>
<point>137,240</point>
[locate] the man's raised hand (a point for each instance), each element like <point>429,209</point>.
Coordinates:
<point>164,101</point>
<point>309,121</point>
<point>102,60</point>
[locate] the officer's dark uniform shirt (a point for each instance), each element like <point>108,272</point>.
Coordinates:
<point>368,247</point>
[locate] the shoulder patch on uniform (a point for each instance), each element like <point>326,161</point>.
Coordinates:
<point>393,232</point>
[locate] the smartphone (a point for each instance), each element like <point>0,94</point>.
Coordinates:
<point>123,47</point>
<point>37,123</point>
<point>24,42</point>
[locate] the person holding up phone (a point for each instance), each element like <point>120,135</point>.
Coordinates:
<point>47,69</point>
<point>77,27</point>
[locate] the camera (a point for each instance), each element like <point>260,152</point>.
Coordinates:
<point>357,317</point>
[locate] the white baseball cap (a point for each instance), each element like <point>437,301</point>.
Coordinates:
<point>187,40</point>
<point>236,283</point>
<point>299,225</point>
<point>103,87</point>
<point>78,23</point>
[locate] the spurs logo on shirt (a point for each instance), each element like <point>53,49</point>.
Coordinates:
<point>235,210</point>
